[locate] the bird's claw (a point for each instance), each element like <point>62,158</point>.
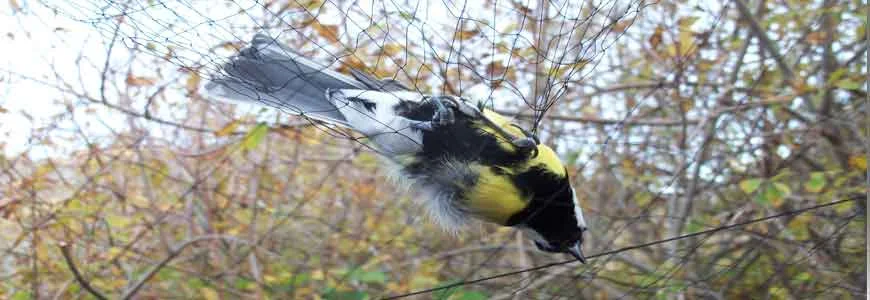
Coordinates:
<point>443,116</point>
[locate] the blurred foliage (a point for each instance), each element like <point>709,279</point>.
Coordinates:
<point>673,117</point>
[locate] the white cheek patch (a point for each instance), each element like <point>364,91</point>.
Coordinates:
<point>578,211</point>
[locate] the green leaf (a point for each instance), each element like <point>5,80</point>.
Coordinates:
<point>771,194</point>
<point>255,137</point>
<point>333,294</point>
<point>694,226</point>
<point>446,293</point>
<point>816,183</point>
<point>848,84</point>
<point>782,188</point>
<point>371,277</point>
<point>750,185</point>
<point>21,295</point>
<point>471,295</point>
<point>803,277</point>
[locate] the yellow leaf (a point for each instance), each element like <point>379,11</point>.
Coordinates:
<point>115,252</point>
<point>228,129</point>
<point>192,83</point>
<point>209,294</point>
<point>629,167</point>
<point>687,42</point>
<point>117,222</point>
<point>139,80</point>
<point>858,162</point>
<point>317,275</point>
<point>270,279</point>
<point>391,49</point>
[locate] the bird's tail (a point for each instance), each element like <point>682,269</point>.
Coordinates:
<point>269,73</point>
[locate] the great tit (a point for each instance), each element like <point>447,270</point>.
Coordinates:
<point>463,160</point>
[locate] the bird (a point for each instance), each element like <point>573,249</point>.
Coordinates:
<point>463,160</point>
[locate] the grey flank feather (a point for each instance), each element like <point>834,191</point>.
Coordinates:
<point>269,73</point>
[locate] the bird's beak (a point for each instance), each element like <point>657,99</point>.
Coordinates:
<point>577,253</point>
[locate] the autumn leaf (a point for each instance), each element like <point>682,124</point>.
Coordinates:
<point>656,38</point>
<point>351,62</point>
<point>620,26</point>
<point>232,46</point>
<point>3,110</point>
<point>858,162</point>
<point>139,80</point>
<point>192,84</point>
<point>816,38</point>
<point>209,294</point>
<point>495,69</point>
<point>227,129</point>
<point>391,49</point>
<point>463,35</point>
<point>329,32</point>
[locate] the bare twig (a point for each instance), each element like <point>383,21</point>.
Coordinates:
<point>64,249</point>
<point>764,40</point>
<point>173,253</point>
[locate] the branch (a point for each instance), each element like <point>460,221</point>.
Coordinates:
<point>64,249</point>
<point>172,255</point>
<point>764,40</point>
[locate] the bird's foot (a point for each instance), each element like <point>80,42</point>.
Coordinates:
<point>443,116</point>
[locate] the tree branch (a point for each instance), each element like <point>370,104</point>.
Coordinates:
<point>764,40</point>
<point>172,255</point>
<point>64,249</point>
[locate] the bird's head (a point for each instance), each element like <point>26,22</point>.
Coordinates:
<point>560,229</point>
<point>553,218</point>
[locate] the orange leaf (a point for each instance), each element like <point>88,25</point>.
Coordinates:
<point>495,69</point>
<point>329,32</point>
<point>816,38</point>
<point>656,38</point>
<point>466,34</point>
<point>621,26</point>
<point>139,80</point>
<point>228,129</point>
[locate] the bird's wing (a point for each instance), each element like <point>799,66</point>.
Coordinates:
<point>272,74</point>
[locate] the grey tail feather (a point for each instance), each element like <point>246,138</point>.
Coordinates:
<point>269,73</point>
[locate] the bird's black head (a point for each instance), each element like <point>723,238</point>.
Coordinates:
<point>553,217</point>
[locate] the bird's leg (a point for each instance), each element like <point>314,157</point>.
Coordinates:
<point>443,115</point>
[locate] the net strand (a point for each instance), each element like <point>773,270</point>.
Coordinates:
<point>629,248</point>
